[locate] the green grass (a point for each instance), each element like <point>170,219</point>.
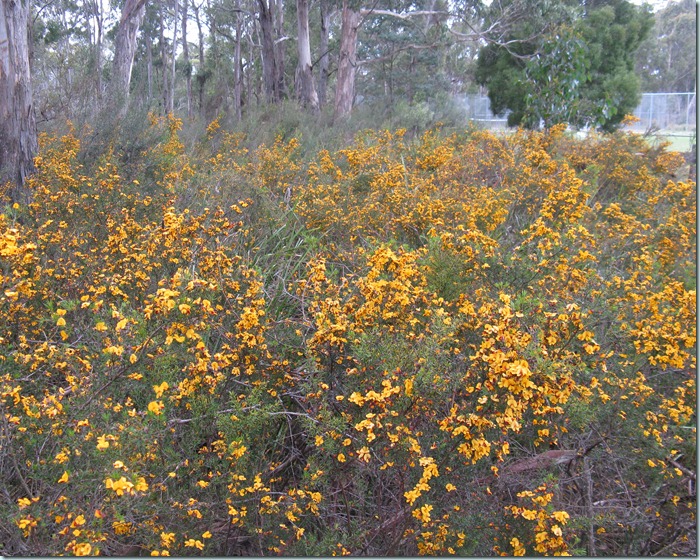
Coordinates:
<point>680,141</point>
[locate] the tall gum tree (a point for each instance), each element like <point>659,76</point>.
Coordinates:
<point>306,90</point>
<point>347,61</point>
<point>666,60</point>
<point>353,17</point>
<point>269,52</point>
<point>18,141</point>
<point>323,61</point>
<point>186,56</point>
<point>125,48</point>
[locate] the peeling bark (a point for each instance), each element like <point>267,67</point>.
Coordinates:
<point>323,61</point>
<point>306,91</point>
<point>125,48</point>
<point>347,62</point>
<point>18,141</point>
<point>269,58</point>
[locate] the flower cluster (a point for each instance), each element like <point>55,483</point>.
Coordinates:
<point>226,351</point>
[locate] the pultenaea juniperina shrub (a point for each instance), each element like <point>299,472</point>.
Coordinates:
<point>452,344</point>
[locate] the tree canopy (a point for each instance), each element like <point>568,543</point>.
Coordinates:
<point>581,71</point>
<point>212,56</point>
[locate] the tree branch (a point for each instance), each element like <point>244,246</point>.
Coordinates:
<point>395,52</point>
<point>680,467</point>
<point>402,15</point>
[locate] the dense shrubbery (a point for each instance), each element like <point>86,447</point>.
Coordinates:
<point>454,344</point>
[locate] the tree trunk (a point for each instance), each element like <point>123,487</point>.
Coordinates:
<point>173,59</point>
<point>347,60</point>
<point>163,55</point>
<point>252,83</point>
<point>306,91</point>
<point>217,97</point>
<point>201,76</point>
<point>18,142</point>
<point>323,62</point>
<point>186,57</point>
<point>278,17</point>
<point>99,22</point>
<point>149,69</point>
<point>64,46</point>
<point>238,82</point>
<point>125,49</point>
<point>269,59</point>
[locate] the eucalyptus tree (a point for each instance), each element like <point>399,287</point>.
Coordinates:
<point>68,44</point>
<point>125,44</point>
<point>271,21</point>
<point>187,65</point>
<point>415,38</point>
<point>405,56</point>
<point>18,139</point>
<point>326,12</point>
<point>347,59</point>
<point>230,60</point>
<point>305,86</point>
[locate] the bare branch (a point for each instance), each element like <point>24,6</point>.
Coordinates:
<point>395,52</point>
<point>680,467</point>
<point>402,15</point>
<point>487,37</point>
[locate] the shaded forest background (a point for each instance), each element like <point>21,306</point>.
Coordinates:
<point>210,58</point>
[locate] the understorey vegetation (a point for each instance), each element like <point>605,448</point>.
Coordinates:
<point>410,344</point>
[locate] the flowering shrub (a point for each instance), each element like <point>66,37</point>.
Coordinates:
<point>467,344</point>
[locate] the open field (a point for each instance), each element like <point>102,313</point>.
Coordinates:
<point>680,141</point>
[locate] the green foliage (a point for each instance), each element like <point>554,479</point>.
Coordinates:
<point>613,33</point>
<point>407,55</point>
<point>554,77</point>
<point>582,73</point>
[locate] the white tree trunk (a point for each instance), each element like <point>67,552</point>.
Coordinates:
<point>125,48</point>
<point>163,55</point>
<point>201,76</point>
<point>237,75</point>
<point>306,91</point>
<point>18,142</point>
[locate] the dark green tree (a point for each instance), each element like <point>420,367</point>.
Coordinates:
<point>555,78</point>
<point>503,64</point>
<point>613,33</point>
<point>567,62</point>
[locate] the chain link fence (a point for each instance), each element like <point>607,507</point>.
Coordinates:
<point>672,112</point>
<point>478,110</point>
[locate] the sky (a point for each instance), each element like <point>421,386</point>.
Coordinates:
<point>656,4</point>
